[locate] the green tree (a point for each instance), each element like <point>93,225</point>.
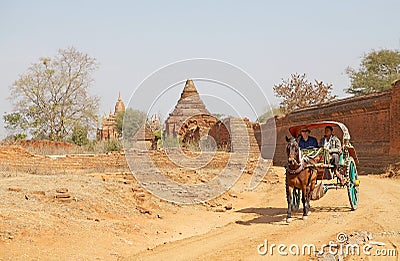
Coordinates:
<point>119,122</point>
<point>80,135</point>
<point>220,116</point>
<point>378,69</point>
<point>14,137</point>
<point>298,92</point>
<point>52,96</point>
<point>17,123</point>
<point>269,114</point>
<point>130,121</point>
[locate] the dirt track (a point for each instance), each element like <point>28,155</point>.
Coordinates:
<point>378,212</point>
<point>104,223</point>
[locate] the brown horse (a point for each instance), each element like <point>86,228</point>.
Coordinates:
<point>299,176</point>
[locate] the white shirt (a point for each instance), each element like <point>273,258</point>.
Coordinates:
<point>327,143</point>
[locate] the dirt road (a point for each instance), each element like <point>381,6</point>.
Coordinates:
<point>110,218</point>
<point>378,213</point>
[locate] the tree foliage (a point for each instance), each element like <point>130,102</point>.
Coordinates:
<point>130,121</point>
<point>16,121</point>
<point>297,92</point>
<point>269,114</point>
<point>80,135</point>
<point>52,97</point>
<point>14,137</point>
<point>378,69</point>
<point>220,116</point>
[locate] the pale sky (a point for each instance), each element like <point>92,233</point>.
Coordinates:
<point>131,39</point>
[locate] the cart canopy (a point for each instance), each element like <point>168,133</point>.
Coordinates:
<point>295,130</point>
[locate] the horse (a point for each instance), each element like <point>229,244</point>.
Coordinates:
<point>299,176</point>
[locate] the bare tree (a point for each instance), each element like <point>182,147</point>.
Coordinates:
<point>52,97</point>
<point>297,92</point>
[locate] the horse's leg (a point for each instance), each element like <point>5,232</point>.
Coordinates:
<point>304,197</point>
<point>308,196</point>
<point>289,191</point>
<point>312,187</point>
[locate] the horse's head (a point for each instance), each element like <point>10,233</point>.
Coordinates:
<point>292,150</point>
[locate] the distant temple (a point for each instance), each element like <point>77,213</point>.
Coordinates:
<point>190,121</point>
<point>147,133</point>
<point>108,129</point>
<point>190,118</point>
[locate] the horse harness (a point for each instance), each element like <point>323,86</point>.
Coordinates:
<point>294,171</point>
<point>305,163</point>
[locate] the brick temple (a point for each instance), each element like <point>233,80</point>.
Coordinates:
<point>190,118</point>
<point>108,129</point>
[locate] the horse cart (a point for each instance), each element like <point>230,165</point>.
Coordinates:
<point>315,165</point>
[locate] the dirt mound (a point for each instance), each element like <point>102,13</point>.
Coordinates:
<point>47,147</point>
<point>14,152</point>
<point>45,143</point>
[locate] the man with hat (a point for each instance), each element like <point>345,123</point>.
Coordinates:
<point>307,141</point>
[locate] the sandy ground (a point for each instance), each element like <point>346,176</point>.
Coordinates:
<point>109,217</point>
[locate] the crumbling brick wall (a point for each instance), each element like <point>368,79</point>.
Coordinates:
<point>222,133</point>
<point>219,131</point>
<point>373,121</point>
<point>195,127</point>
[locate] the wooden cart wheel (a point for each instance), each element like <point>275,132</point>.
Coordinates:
<point>353,184</point>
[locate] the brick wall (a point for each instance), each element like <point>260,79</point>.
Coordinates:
<point>373,121</point>
<point>395,120</point>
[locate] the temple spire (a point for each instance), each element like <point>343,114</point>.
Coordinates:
<point>189,89</point>
<point>189,105</point>
<point>119,106</point>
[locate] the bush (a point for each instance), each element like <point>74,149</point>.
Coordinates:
<point>112,145</point>
<point>170,142</point>
<point>80,136</point>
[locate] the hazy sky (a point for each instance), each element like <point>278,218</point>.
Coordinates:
<point>131,39</point>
